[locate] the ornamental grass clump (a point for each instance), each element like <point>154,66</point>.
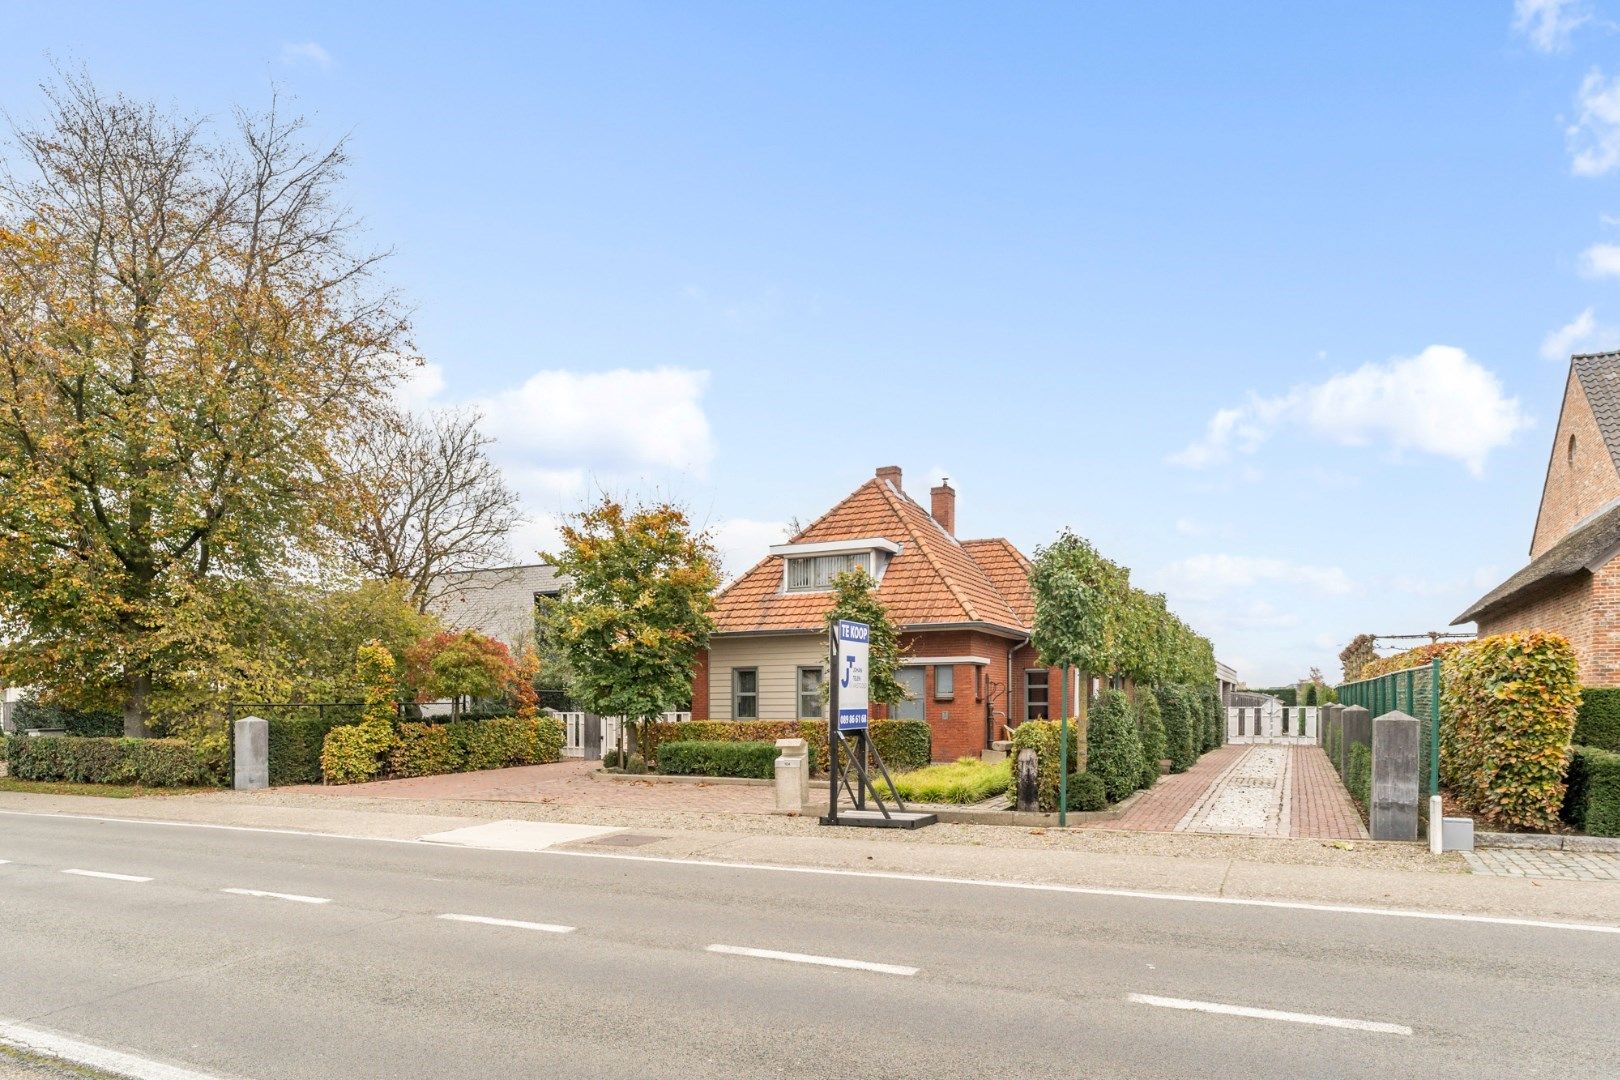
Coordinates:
<point>1509,704</point>
<point>965,780</point>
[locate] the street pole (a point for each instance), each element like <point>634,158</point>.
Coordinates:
<point>1063,755</point>
<point>1434,726</point>
<point>832,722</point>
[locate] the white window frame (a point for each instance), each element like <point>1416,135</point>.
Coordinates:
<point>822,582</point>
<point>819,710</point>
<point>949,691</point>
<point>737,693</point>
<point>876,551</point>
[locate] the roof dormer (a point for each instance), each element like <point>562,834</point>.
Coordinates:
<point>812,567</point>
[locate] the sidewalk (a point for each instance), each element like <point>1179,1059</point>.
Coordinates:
<point>1300,870</point>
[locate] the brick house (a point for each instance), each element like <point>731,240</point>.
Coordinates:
<point>1572,582</point>
<point>964,609</point>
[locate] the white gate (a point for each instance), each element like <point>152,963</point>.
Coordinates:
<point>587,736</point>
<point>1272,722</point>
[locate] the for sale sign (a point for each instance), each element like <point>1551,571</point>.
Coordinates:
<point>851,648</point>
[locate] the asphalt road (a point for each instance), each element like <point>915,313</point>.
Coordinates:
<point>967,980</point>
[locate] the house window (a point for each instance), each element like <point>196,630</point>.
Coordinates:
<point>809,693</point>
<point>1572,449</point>
<point>745,693</point>
<point>1037,694</point>
<point>944,682</point>
<point>810,573</point>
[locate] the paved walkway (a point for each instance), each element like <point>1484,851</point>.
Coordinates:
<point>1528,862</point>
<point>1250,791</point>
<point>565,783</point>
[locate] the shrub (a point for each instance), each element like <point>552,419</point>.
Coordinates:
<point>548,739</point>
<point>1509,704</point>
<point>1086,792</point>
<point>1150,730</point>
<point>1592,801</point>
<point>1113,748</point>
<point>1215,729</point>
<point>1288,695</point>
<point>353,753</point>
<point>1597,721</point>
<point>708,757</point>
<point>1043,737</point>
<point>1176,708</point>
<point>500,743</point>
<point>904,744</point>
<point>295,747</point>
<point>97,760</point>
<point>1358,775</point>
<point>965,780</point>
<point>425,750</point>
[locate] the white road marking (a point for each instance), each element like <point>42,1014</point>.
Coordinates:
<point>1269,1014</point>
<point>92,1056</point>
<point>820,961</point>
<point>550,928</point>
<point>1026,886</point>
<point>294,897</point>
<point>107,875</point>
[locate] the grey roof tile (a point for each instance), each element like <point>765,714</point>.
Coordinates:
<point>1599,374</point>
<point>498,601</point>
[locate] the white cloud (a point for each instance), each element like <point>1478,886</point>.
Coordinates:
<point>1548,24</point>
<point>1594,137</point>
<point>1209,577</point>
<point>1601,260</point>
<point>305,52</point>
<point>417,391</point>
<point>1581,334</point>
<point>1439,402</point>
<point>611,422</point>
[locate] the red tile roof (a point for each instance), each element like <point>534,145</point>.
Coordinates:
<point>934,579</point>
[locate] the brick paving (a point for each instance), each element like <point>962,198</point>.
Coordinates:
<point>1528,862</point>
<point>565,783</point>
<point>1319,804</point>
<point>1312,801</point>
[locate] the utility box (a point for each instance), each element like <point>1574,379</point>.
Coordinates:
<point>792,775</point>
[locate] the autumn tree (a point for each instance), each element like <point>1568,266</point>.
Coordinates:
<point>636,607</point>
<point>461,666</point>
<point>1358,654</point>
<point>855,599</point>
<point>425,500</point>
<point>186,330</point>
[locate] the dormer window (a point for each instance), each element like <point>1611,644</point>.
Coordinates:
<point>812,567</point>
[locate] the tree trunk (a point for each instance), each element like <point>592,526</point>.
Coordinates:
<point>137,705</point>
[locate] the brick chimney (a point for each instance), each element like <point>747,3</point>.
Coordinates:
<point>891,473</point>
<point>942,504</point>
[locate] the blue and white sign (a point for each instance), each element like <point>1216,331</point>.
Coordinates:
<point>853,641</point>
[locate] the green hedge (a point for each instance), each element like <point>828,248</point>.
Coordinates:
<point>709,757</point>
<point>1150,730</point>
<point>1183,727</point>
<point>429,749</point>
<point>1288,695</point>
<point>31,714</point>
<point>94,760</point>
<point>1358,775</point>
<point>1215,727</point>
<point>1044,737</point>
<point>1597,721</point>
<point>295,747</point>
<point>904,744</point>
<point>1113,747</point>
<point>1509,703</point>
<point>1087,792</point>
<point>1592,798</point>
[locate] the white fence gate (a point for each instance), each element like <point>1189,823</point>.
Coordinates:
<point>586,735</point>
<point>1272,722</point>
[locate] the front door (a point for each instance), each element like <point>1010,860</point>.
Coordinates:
<point>911,678</point>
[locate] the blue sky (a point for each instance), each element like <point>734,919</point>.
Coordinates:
<point>1271,301</point>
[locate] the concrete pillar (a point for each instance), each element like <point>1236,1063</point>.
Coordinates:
<point>1396,766</point>
<point>792,775</point>
<point>1325,717</point>
<point>252,765</point>
<point>1355,726</point>
<point>1025,780</point>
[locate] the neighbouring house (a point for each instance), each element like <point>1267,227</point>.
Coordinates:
<point>498,602</point>
<point>1572,582</point>
<point>964,608</point>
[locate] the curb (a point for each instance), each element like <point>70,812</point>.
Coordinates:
<point>1547,842</point>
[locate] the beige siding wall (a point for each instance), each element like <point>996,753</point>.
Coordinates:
<point>778,659</point>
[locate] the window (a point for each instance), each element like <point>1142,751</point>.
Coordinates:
<point>1572,449</point>
<point>809,693</point>
<point>745,693</point>
<point>1037,705</point>
<point>944,682</point>
<point>810,573</point>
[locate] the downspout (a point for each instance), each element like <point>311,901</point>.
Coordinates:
<point>1010,654</point>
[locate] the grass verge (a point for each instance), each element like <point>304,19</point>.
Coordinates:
<point>105,791</point>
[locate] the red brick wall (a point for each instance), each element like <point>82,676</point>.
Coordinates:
<point>1569,611</point>
<point>700,686</point>
<point>1574,487</point>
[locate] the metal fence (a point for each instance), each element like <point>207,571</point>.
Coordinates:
<point>1413,691</point>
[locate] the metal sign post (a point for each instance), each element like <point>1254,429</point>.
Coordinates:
<point>848,714</point>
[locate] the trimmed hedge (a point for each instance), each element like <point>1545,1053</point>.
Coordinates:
<point>1597,721</point>
<point>1086,792</point>
<point>295,747</point>
<point>1288,695</point>
<point>1044,737</point>
<point>353,753</point>
<point>1215,725</point>
<point>1150,730</point>
<point>1358,775</point>
<point>1592,799</point>
<point>1183,730</point>
<point>1113,747</point>
<point>95,760</point>
<point>1509,703</point>
<point>32,714</point>
<point>428,749</point>
<point>904,744</point>
<point>710,757</point>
